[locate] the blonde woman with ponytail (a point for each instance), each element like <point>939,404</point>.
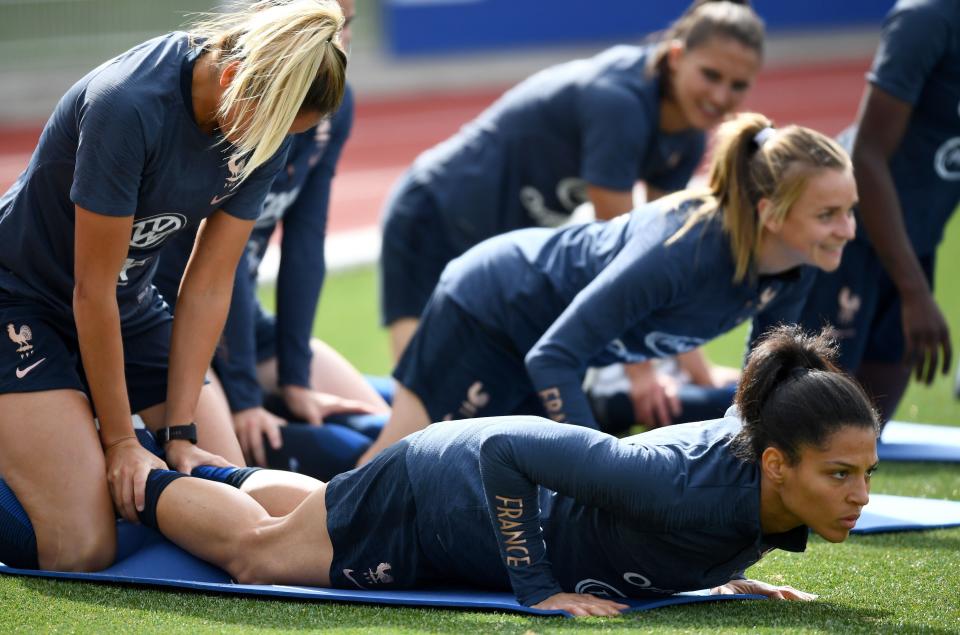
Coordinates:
<point>515,321</point>
<point>183,130</point>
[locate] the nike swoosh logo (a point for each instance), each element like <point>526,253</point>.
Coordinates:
<point>21,373</point>
<point>347,573</point>
<point>216,200</point>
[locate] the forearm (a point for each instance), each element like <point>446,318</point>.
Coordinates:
<point>883,222</point>
<point>101,349</point>
<point>696,365</point>
<point>201,313</point>
<point>521,454</point>
<point>236,357</point>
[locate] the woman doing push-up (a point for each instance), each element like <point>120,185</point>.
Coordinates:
<point>515,322</point>
<point>555,512</point>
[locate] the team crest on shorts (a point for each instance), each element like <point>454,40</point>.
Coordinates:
<point>22,338</point>
<point>380,575</point>
<point>476,399</point>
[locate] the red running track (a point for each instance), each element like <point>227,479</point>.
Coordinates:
<point>389,133</point>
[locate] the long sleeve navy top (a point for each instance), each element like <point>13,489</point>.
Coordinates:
<point>599,293</point>
<point>544,508</point>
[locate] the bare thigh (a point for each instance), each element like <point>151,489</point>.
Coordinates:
<point>408,416</point>
<point>214,424</point>
<point>227,527</point>
<point>51,458</point>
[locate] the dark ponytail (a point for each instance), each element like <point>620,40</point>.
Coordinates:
<point>792,395</point>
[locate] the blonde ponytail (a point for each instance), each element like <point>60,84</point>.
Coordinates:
<point>289,60</point>
<point>751,160</point>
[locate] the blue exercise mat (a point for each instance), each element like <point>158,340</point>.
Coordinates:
<point>902,441</point>
<point>887,513</point>
<point>145,557</point>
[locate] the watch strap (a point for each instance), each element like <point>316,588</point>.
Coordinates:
<point>186,432</point>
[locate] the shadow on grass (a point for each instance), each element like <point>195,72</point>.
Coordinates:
<point>215,611</point>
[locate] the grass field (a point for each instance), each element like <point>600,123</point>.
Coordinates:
<point>898,583</point>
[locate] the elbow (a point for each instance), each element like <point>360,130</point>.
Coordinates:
<point>88,295</point>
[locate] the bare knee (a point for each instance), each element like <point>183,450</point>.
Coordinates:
<point>92,548</point>
<point>252,554</point>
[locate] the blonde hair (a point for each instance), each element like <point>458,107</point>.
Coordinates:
<point>703,20</point>
<point>289,61</point>
<point>775,165</point>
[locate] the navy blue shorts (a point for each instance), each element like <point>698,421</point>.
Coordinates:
<point>461,369</point>
<point>372,520</point>
<point>863,304</point>
<point>414,252</point>
<point>41,352</point>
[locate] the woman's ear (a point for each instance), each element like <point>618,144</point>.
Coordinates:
<point>773,463</point>
<point>674,53</point>
<point>765,213</point>
<point>228,73</point>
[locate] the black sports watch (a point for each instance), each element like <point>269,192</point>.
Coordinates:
<point>177,433</point>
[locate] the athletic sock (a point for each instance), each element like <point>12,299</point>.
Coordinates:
<point>234,476</point>
<point>18,543</point>
<point>157,481</point>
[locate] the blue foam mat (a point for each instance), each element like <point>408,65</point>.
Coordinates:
<point>146,558</point>
<point>887,513</point>
<point>903,441</point>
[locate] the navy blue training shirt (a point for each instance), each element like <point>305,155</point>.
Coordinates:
<point>606,292</point>
<point>121,142</point>
<point>527,159</point>
<point>918,62</point>
<point>546,508</point>
<point>300,197</point>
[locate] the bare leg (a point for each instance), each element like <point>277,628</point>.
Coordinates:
<point>228,528</point>
<point>401,332</point>
<point>214,424</point>
<point>408,416</point>
<point>42,434</point>
<point>280,492</point>
<point>331,373</point>
<point>885,383</point>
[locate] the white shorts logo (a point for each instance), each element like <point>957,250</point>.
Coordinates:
<point>947,160</point>
<point>153,230</point>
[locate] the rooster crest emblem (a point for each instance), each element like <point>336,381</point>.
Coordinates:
<point>849,305</point>
<point>380,576</point>
<point>21,337</point>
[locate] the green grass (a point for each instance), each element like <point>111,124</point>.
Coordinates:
<point>897,583</point>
